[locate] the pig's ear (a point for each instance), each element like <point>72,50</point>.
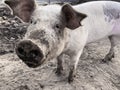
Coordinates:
<point>22,8</point>
<point>72,17</point>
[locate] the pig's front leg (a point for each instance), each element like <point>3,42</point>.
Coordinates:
<point>74,59</point>
<point>59,65</point>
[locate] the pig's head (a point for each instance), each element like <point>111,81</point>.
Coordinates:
<point>46,35</point>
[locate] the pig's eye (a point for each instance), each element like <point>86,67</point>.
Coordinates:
<point>33,22</point>
<point>57,26</point>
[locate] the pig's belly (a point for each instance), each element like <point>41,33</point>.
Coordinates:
<point>103,30</point>
<point>98,30</point>
<point>116,28</point>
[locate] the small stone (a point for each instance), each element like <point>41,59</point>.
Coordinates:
<point>4,18</point>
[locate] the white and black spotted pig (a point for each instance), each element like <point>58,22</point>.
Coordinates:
<point>56,30</point>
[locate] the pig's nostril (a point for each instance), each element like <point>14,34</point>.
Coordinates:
<point>20,50</point>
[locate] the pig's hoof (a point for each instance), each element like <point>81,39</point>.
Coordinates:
<point>71,79</point>
<point>108,58</point>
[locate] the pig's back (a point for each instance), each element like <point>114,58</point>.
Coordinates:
<point>103,18</point>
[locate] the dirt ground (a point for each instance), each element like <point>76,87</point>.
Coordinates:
<point>91,74</point>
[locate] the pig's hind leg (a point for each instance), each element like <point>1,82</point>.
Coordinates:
<point>111,53</point>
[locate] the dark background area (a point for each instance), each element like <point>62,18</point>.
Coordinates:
<point>70,1</point>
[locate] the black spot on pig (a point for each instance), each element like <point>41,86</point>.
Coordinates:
<point>111,12</point>
<point>39,35</point>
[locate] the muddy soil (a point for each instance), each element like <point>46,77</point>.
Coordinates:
<point>91,74</point>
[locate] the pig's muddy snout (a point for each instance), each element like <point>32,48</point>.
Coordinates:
<point>30,53</point>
